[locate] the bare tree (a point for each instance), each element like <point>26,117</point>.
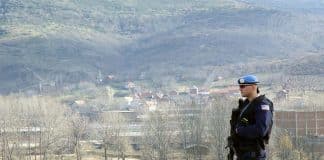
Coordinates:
<point>217,114</point>
<point>77,125</point>
<point>191,127</point>
<point>8,135</point>
<point>284,147</point>
<point>11,128</point>
<point>51,122</point>
<point>31,126</point>
<point>113,133</point>
<point>157,136</point>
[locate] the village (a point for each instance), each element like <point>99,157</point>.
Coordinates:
<point>136,104</point>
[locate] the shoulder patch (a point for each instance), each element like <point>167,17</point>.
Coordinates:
<point>265,107</point>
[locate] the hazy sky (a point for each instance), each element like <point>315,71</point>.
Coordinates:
<point>290,4</point>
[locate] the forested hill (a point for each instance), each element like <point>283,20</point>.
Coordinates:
<point>70,41</point>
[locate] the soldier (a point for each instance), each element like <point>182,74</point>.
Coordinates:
<point>253,124</point>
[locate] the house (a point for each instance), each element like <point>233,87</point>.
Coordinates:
<point>146,95</point>
<point>282,94</point>
<point>226,90</point>
<point>218,78</point>
<point>130,85</point>
<point>159,95</point>
<point>203,92</point>
<point>129,100</point>
<point>151,104</point>
<point>79,102</point>
<point>142,76</point>
<point>110,77</point>
<point>194,90</point>
<point>183,93</point>
<point>165,98</point>
<point>173,93</point>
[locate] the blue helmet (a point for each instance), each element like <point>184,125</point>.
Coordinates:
<point>248,79</point>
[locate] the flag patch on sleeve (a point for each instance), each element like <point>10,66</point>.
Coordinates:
<point>265,107</point>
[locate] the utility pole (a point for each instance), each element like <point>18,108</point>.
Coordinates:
<point>40,88</point>
<point>99,77</point>
<point>316,132</point>
<point>296,128</point>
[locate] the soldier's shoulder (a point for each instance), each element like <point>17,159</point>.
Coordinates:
<point>265,104</point>
<point>264,100</point>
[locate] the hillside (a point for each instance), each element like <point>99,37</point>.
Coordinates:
<point>71,41</point>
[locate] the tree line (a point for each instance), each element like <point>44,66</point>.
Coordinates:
<point>44,128</point>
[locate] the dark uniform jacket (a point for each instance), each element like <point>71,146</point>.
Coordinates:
<point>255,123</point>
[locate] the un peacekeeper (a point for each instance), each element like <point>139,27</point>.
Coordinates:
<point>254,122</point>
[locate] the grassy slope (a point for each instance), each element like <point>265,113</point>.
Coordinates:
<point>70,41</point>
<point>76,39</point>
